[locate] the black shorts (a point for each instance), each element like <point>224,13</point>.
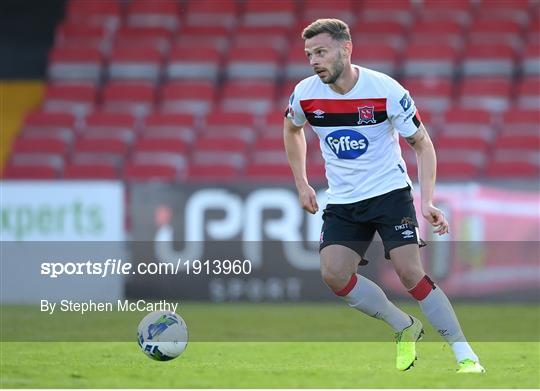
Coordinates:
<point>392,215</point>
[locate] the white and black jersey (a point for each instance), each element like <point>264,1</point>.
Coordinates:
<point>358,133</point>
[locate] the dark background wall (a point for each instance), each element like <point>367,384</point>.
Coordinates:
<point>26,34</point>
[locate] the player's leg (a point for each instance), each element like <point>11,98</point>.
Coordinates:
<point>338,270</point>
<point>433,303</point>
<point>397,227</point>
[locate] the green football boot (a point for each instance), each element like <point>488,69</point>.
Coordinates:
<point>470,366</point>
<point>406,344</point>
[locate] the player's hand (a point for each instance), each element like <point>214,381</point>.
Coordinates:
<point>308,199</point>
<point>436,218</point>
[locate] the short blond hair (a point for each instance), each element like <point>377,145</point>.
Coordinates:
<point>337,29</point>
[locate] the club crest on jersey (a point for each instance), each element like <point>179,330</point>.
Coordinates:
<point>347,143</point>
<point>366,115</point>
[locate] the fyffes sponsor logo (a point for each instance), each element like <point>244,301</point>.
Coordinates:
<point>347,143</point>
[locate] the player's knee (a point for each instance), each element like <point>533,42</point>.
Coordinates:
<point>410,275</point>
<point>335,279</point>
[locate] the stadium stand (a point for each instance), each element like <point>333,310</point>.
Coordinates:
<point>195,89</point>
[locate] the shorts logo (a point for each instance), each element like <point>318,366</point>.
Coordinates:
<point>366,115</point>
<point>406,102</point>
<point>408,220</point>
<point>408,234</point>
<point>347,143</point>
<point>318,113</point>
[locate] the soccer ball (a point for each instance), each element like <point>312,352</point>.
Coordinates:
<point>162,335</point>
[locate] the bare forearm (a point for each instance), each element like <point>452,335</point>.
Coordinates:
<point>427,172</point>
<point>295,145</point>
<point>427,163</point>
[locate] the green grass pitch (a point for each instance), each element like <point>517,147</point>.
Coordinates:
<point>349,363</point>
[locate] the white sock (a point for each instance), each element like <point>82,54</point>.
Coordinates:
<point>369,298</point>
<point>437,308</point>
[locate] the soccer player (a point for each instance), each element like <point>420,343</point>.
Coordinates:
<point>357,114</point>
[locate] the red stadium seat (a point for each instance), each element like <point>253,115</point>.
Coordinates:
<point>273,37</point>
<point>490,30</point>
<point>529,92</point>
<point>340,9</point>
<point>269,13</point>
<point>160,144</point>
<point>163,13</point>
<point>269,144</point>
<point>37,171</point>
<point>531,59</point>
<point>75,63</point>
<point>460,163</point>
<point>377,56</point>
<point>196,97</point>
<point>212,172</point>
<point>211,12</point>
<point>94,12</point>
<point>378,31</point>
<point>518,142</point>
<point>41,120</point>
<point>506,6</point>
<point>105,124</point>
<point>229,124</point>
<point>194,63</point>
<point>431,27</point>
<point>514,164</point>
<point>297,66</point>
<point>533,32</point>
<point>519,127</point>
<point>254,96</point>
<point>489,93</point>
<point>387,10</point>
<point>489,59</point>
<point>198,37</point>
<point>462,141</point>
<point>101,144</point>
<point>90,171</point>
<point>77,98</point>
<point>170,125</point>
<point>130,38</point>
<point>155,166</point>
<point>430,59</point>
<point>136,98</point>
<point>268,172</point>
<point>34,165</point>
<point>220,144</point>
<point>442,11</point>
<point>69,33</point>
<point>253,62</point>
<point>130,63</point>
<point>430,93</point>
<point>470,128</point>
<point>40,144</point>
<point>210,157</point>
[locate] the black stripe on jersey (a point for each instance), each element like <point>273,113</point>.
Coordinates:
<point>416,121</point>
<point>344,119</point>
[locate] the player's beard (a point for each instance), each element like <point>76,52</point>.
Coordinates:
<point>338,68</point>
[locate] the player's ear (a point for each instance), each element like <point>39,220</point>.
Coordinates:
<point>347,47</point>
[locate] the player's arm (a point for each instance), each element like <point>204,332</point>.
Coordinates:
<point>427,172</point>
<point>295,146</point>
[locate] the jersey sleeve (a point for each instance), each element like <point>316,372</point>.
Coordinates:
<point>401,110</point>
<point>294,111</point>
